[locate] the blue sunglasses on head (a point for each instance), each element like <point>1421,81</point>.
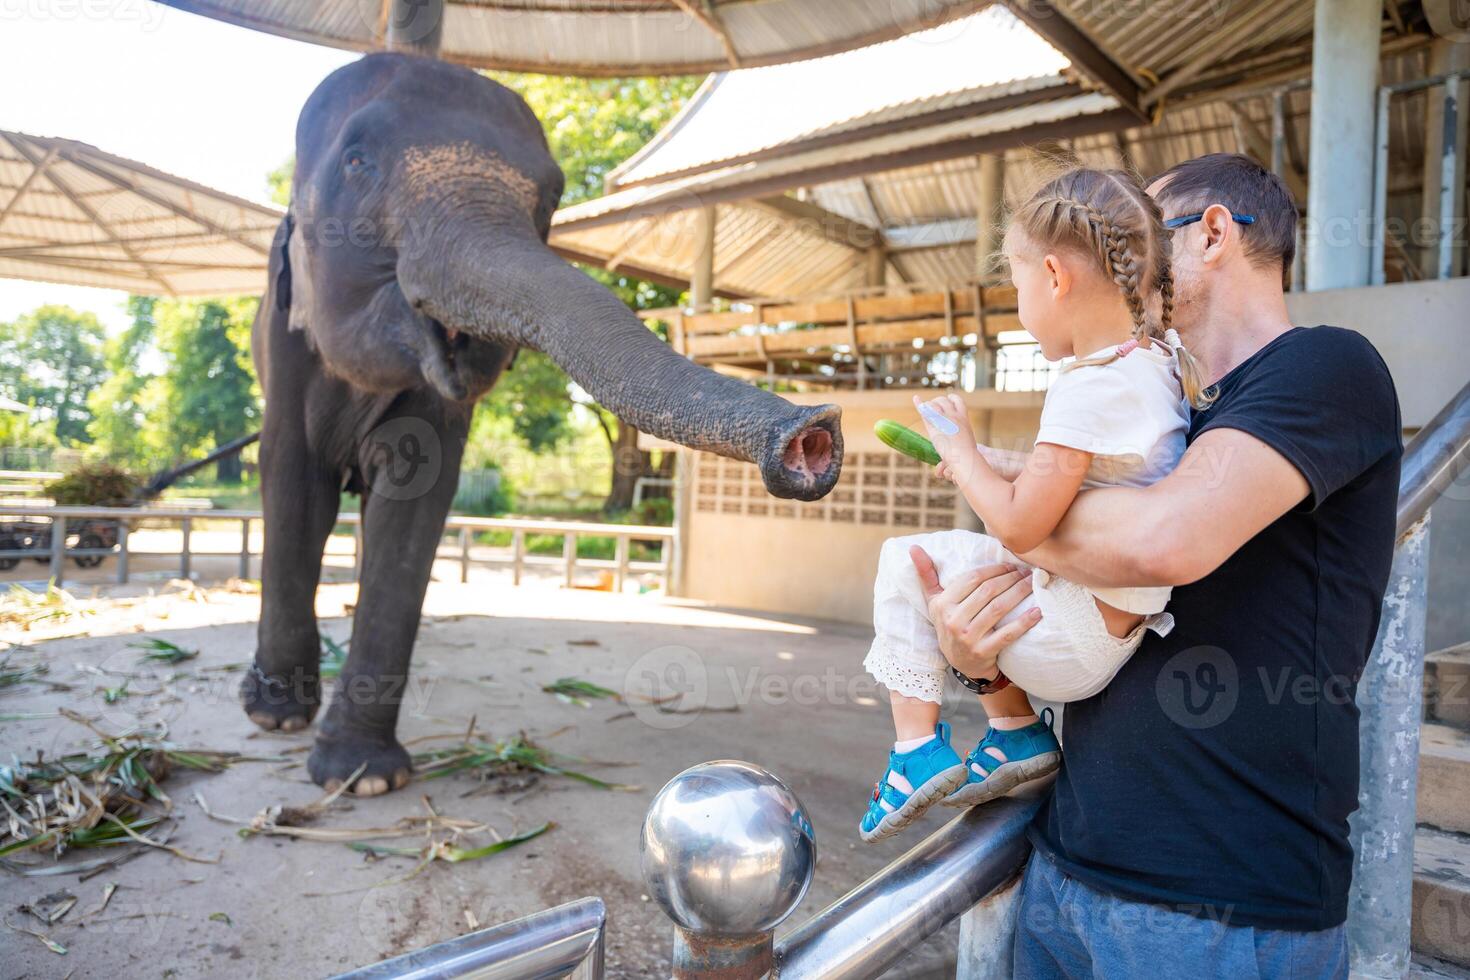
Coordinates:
<point>1189,219</point>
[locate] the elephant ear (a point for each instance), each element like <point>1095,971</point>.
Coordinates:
<point>297,270</point>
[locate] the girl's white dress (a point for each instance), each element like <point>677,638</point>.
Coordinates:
<point>1132,416</point>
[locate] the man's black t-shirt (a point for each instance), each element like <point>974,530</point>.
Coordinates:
<point>1217,771</point>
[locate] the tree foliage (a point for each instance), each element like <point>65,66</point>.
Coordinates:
<point>52,358</point>
<point>119,405</point>
<point>207,393</point>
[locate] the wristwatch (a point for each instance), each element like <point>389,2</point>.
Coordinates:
<point>982,685</point>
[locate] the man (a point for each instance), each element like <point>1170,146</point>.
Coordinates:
<point>1199,826</point>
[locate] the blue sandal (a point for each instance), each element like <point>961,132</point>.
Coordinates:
<point>1030,753</point>
<point>933,770</point>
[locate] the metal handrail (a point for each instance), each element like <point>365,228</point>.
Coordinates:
<point>558,942</point>
<point>1434,460</point>
<point>866,931</point>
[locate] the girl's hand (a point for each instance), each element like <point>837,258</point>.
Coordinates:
<point>948,423</point>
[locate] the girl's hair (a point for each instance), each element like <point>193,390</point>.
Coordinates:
<point>1108,216</point>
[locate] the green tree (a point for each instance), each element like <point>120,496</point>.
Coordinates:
<point>119,406</point>
<point>52,358</point>
<point>207,396</point>
<point>279,182</point>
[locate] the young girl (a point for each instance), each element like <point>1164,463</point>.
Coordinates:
<point>1089,257</point>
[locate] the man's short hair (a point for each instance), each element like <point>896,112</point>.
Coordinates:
<point>1245,187</point>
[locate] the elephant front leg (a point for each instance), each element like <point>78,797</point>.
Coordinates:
<point>282,689</point>
<point>358,738</point>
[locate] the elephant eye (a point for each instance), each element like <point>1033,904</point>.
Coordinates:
<point>354,161</point>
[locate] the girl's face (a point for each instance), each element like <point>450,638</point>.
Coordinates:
<point>1042,282</point>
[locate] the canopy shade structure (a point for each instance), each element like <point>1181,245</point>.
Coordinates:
<point>601,37</point>
<point>71,213</point>
<point>882,183</point>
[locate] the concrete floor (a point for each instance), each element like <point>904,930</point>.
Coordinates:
<point>805,710</point>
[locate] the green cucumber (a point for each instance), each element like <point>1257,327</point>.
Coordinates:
<point>906,441</point>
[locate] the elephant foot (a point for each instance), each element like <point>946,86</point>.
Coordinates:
<point>274,702</point>
<point>384,764</point>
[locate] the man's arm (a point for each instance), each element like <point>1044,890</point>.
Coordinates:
<point>1228,488</point>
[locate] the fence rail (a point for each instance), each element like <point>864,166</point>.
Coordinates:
<point>621,564</point>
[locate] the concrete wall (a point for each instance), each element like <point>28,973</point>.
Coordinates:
<point>818,559</point>
<point>1422,329</point>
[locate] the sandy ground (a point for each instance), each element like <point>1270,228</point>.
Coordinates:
<point>785,693</point>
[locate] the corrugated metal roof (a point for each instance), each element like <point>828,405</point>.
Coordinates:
<point>74,214</point>
<point>740,113</point>
<point>606,37</point>
<point>925,213</point>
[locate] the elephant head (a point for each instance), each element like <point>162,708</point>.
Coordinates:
<point>417,254</point>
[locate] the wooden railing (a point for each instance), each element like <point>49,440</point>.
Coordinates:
<point>621,565</point>
<point>893,320</point>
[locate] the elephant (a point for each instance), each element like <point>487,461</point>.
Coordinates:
<point>411,265</point>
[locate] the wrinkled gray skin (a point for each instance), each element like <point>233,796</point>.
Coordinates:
<point>410,269</point>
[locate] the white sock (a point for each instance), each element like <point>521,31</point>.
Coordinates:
<point>1011,724</point>
<point>909,744</point>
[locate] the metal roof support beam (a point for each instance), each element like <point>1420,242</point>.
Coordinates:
<point>1044,18</point>
<point>707,17</point>
<point>123,181</point>
<point>97,219</point>
<point>37,169</point>
<point>825,224</point>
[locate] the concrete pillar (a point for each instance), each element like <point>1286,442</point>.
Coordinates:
<point>702,277</point>
<point>1444,57</point>
<point>415,26</point>
<point>988,936</point>
<point>1340,187</point>
<point>990,213</point>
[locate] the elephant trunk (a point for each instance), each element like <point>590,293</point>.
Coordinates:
<point>510,288</point>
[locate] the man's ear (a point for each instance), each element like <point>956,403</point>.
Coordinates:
<point>1221,233</point>
<point>1059,277</point>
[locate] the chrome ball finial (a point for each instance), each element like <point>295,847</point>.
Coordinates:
<point>727,849</point>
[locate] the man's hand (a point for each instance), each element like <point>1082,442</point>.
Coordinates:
<point>966,613</point>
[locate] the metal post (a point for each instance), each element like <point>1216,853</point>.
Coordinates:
<point>415,27</point>
<point>245,548</point>
<point>464,554</point>
<point>702,283</point>
<point>989,214</point>
<point>122,552</point>
<point>58,550</point>
<point>1390,702</point>
<point>517,555</point>
<point>1378,274</point>
<point>1345,43</point>
<point>1278,133</point>
<point>1450,184</point>
<point>1445,57</point>
<point>569,557</point>
<point>186,526</point>
<point>620,574</point>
